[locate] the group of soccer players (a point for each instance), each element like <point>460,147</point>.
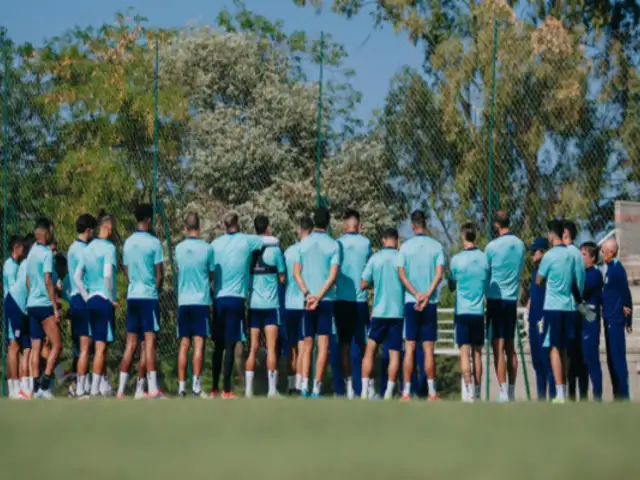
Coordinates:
<point>230,288</point>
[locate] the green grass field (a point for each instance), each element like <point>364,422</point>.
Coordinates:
<point>323,439</point>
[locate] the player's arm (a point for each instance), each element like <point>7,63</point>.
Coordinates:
<point>48,281</point>
<point>159,260</point>
<point>28,283</point>
<point>281,266</point>
<point>109,273</point>
<point>297,275</point>
<point>367,276</point>
<point>333,275</point>
<point>543,270</point>
<point>78,280</point>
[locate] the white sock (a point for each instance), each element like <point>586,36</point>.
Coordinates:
<point>87,383</point>
<point>365,388</point>
<point>304,385</point>
<point>122,382</point>
<point>140,385</point>
<point>273,382</point>
<point>468,392</point>
<point>317,387</point>
<point>58,371</point>
<point>31,384</point>
<point>80,386</point>
<point>105,385</point>
<point>389,391</point>
<point>95,384</point>
<point>512,392</point>
<point>431,384</point>
<point>291,382</point>
<point>504,390</point>
<point>196,386</point>
<point>24,384</point>
<point>248,391</point>
<point>152,379</point>
<point>560,392</point>
<point>182,387</point>
<point>406,391</point>
<point>298,382</point>
<point>12,388</point>
<point>349,387</point>
<point>372,388</point>
<point>477,390</point>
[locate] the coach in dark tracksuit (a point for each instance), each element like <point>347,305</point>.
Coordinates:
<point>590,330</point>
<point>616,312</point>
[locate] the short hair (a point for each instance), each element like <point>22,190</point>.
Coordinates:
<point>419,218</point>
<point>85,222</point>
<point>502,219</point>
<point>192,221</point>
<point>231,220</point>
<point>104,217</point>
<point>351,213</point>
<point>591,248</point>
<point>14,240</point>
<point>570,227</point>
<point>144,212</point>
<point>321,218</point>
<point>28,242</point>
<point>261,223</point>
<point>555,226</point>
<point>469,232</point>
<point>390,233</point>
<point>306,224</point>
<point>43,223</point>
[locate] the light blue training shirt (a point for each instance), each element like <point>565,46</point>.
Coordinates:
<point>317,254</point>
<point>74,255</point>
<point>264,287</point>
<point>9,275</point>
<point>97,256</point>
<point>388,292</point>
<point>355,251</point>
<point>19,290</point>
<point>558,269</point>
<point>195,259</point>
<point>293,299</point>
<point>40,262</point>
<point>470,272</point>
<point>505,255</point>
<point>141,253</point>
<point>232,253</point>
<point>420,256</point>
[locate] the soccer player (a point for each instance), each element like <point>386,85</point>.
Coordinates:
<point>506,259</point>
<point>19,294</point>
<point>195,269</point>
<point>42,308</point>
<point>267,269</point>
<point>233,253</point>
<point>558,271</point>
<point>97,270</point>
<point>142,259</point>
<point>352,307</point>
<point>13,315</point>
<point>535,307</point>
<point>593,284</point>
<point>381,271</point>
<point>469,273</point>
<point>577,368</point>
<point>617,310</point>
<point>421,268</point>
<point>294,307</point>
<point>316,271</point>
<point>80,331</point>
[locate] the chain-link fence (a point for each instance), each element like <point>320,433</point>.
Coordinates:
<point>515,116</point>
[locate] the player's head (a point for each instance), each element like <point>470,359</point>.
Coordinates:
<point>351,221</point>
<point>144,216</point>
<point>85,225</point>
<point>418,221</point>
<point>555,229</point>
<point>469,233</point>
<point>42,230</point>
<point>305,227</point>
<point>501,221</point>
<point>192,224</point>
<point>231,222</point>
<point>609,250</point>
<point>28,242</point>
<point>390,237</point>
<point>569,233</point>
<point>261,224</point>
<point>104,224</point>
<point>16,247</point>
<point>538,247</point>
<point>590,252</point>
<point>321,218</point>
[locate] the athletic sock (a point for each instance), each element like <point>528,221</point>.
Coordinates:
<point>560,389</point>
<point>273,382</point>
<point>105,386</point>
<point>24,385</point>
<point>87,383</point>
<point>152,379</point>
<point>298,382</point>
<point>388,394</point>
<point>80,386</point>
<point>406,391</point>
<point>140,386</point>
<point>431,384</point>
<point>372,388</point>
<point>95,384</point>
<point>504,390</point>
<point>12,388</point>
<point>317,387</point>
<point>45,383</point>
<point>468,392</point>
<point>182,387</point>
<point>304,385</point>
<point>122,382</point>
<point>477,391</point>
<point>32,385</point>
<point>291,382</point>
<point>512,392</point>
<point>196,386</point>
<point>365,388</point>
<point>349,387</point>
<point>248,377</point>
<point>35,381</point>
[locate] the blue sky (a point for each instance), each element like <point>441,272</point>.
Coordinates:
<point>375,55</point>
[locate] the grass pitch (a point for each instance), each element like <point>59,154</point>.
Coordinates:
<point>316,439</point>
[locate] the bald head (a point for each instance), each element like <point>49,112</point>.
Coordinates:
<point>609,249</point>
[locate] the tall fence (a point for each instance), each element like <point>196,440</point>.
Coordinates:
<point>207,121</point>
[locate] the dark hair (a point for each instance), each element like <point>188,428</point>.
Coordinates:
<point>469,232</point>
<point>104,217</point>
<point>555,226</point>
<point>28,242</point>
<point>570,227</point>
<point>390,233</point>
<point>85,222</point>
<point>43,223</point>
<point>321,218</point>
<point>591,248</point>
<point>13,241</point>
<point>60,265</point>
<point>144,212</point>
<point>306,224</point>
<point>192,221</point>
<point>261,223</point>
<point>502,219</point>
<point>231,220</point>
<point>419,219</point>
<point>351,213</point>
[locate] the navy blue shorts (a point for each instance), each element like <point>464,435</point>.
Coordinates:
<point>143,315</point>
<point>293,322</point>
<point>469,330</point>
<point>17,323</point>
<point>261,318</point>
<point>228,322</point>
<point>502,315</point>
<point>557,325</point>
<point>193,321</point>
<point>37,315</point>
<point>318,321</point>
<point>79,321</point>
<point>352,321</point>
<point>387,331</point>
<point>101,319</point>
<point>421,326</point>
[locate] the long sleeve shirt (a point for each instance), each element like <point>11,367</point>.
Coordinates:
<point>616,294</point>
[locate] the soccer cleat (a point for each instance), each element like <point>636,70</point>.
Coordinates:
<point>84,396</point>
<point>503,398</point>
<point>275,396</point>
<point>44,395</point>
<point>159,395</point>
<point>558,401</point>
<point>214,394</point>
<point>182,394</point>
<point>139,395</point>
<point>23,396</point>
<point>316,395</point>
<point>229,396</point>
<point>120,396</point>
<point>71,392</point>
<point>304,393</point>
<point>200,394</point>
<point>405,398</point>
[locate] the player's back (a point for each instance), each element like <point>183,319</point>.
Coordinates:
<point>382,270</point>
<point>355,251</point>
<point>294,300</point>
<point>420,256</point>
<point>470,270</point>
<point>195,261</point>
<point>318,252</point>
<point>580,271</point>
<point>141,253</point>
<point>40,261</point>
<point>267,263</point>
<point>557,267</point>
<point>74,255</point>
<point>232,253</point>
<point>9,274</point>
<point>98,254</point>
<point>505,255</point>
<point>19,290</point>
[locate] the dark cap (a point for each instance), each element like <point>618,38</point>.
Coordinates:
<point>539,244</point>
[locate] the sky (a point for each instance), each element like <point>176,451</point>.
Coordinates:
<point>375,54</point>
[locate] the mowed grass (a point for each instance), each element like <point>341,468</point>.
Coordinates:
<point>316,439</point>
